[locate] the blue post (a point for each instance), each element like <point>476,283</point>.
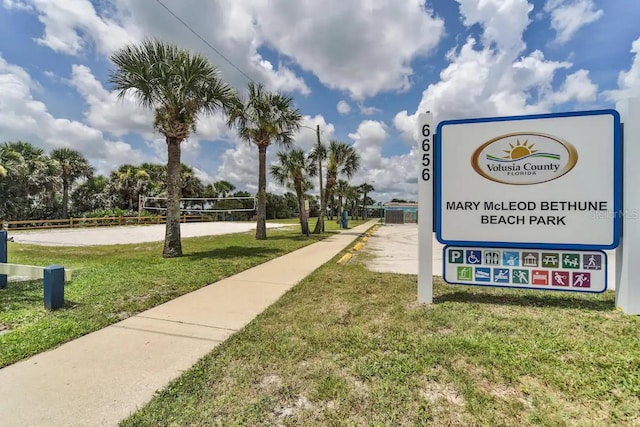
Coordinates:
<point>53,287</point>
<point>3,257</point>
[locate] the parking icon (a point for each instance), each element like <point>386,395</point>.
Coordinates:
<point>456,256</point>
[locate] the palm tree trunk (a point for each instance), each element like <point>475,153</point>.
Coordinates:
<point>304,224</point>
<point>261,226</point>
<point>323,204</point>
<point>65,198</point>
<point>323,207</point>
<point>172,243</point>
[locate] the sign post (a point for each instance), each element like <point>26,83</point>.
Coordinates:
<point>628,253</point>
<point>425,206</point>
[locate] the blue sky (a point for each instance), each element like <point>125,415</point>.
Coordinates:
<point>361,69</point>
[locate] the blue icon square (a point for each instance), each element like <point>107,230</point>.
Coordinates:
<point>510,258</point>
<point>474,257</point>
<point>501,275</point>
<point>482,274</point>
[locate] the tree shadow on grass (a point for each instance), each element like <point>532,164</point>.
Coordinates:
<point>576,302</point>
<point>233,252</point>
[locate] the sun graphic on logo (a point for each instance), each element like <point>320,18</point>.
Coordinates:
<point>519,150</point>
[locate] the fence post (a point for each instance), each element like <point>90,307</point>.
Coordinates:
<point>3,257</point>
<point>53,287</point>
<point>71,222</point>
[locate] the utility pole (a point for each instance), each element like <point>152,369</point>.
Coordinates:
<point>319,163</point>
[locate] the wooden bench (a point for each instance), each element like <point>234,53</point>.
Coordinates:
<point>53,276</point>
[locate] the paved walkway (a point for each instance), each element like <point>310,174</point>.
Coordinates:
<point>101,378</point>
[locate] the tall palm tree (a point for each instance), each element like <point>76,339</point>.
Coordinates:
<point>365,188</point>
<point>262,118</point>
<point>292,171</point>
<point>178,85</point>
<point>352,199</point>
<point>343,160</point>
<point>73,166</point>
<point>319,154</point>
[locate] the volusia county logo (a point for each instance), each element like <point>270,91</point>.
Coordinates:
<point>524,158</point>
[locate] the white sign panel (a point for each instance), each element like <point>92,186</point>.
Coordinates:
<point>546,181</point>
<point>576,271</point>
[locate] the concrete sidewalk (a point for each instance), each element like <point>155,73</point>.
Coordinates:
<point>103,377</point>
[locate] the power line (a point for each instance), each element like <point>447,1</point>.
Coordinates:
<point>204,41</point>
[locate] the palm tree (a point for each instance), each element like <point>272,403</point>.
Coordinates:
<point>342,160</point>
<point>73,166</point>
<point>31,181</point>
<point>292,172</point>
<point>261,118</point>
<point>340,190</point>
<point>365,188</point>
<point>178,85</point>
<point>223,189</point>
<point>352,198</point>
<point>319,154</point>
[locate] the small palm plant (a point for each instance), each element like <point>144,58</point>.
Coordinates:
<point>293,171</point>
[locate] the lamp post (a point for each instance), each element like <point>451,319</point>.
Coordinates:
<point>317,131</point>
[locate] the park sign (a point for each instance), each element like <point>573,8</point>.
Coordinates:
<point>549,181</point>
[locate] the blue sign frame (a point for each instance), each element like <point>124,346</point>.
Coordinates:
<point>605,264</point>
<point>617,183</point>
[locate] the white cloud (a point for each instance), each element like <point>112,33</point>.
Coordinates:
<point>343,107</point>
<point>26,118</point>
<point>368,111</point>
<point>106,112</point>
<point>74,26</point>
<point>496,80</point>
<point>629,80</point>
<point>568,16</point>
<point>503,21</point>
<point>66,23</point>
<point>392,177</point>
<point>336,45</point>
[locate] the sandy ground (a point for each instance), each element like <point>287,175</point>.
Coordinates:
<point>395,247</point>
<point>128,234</point>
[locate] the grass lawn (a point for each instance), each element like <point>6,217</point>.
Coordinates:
<point>351,347</point>
<point>112,283</point>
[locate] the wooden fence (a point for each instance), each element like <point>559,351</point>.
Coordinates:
<point>36,224</point>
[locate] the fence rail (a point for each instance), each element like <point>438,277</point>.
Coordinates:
<point>39,224</point>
